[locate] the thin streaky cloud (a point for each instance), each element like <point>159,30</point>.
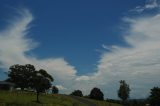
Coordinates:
<point>150,4</point>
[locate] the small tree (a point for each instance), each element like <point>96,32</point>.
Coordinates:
<point>77,93</point>
<point>154,97</point>
<point>96,93</point>
<point>123,91</point>
<point>55,90</point>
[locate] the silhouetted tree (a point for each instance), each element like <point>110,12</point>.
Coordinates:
<point>45,74</point>
<point>96,93</point>
<point>154,97</point>
<point>123,91</point>
<point>21,75</point>
<point>54,90</point>
<point>25,76</point>
<point>41,82</point>
<point>77,93</point>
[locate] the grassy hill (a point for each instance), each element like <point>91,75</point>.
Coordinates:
<point>103,103</point>
<point>28,99</point>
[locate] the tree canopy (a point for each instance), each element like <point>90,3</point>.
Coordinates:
<point>123,91</point>
<point>25,76</point>
<point>97,94</point>
<point>21,75</point>
<point>154,97</point>
<point>55,90</point>
<point>77,93</point>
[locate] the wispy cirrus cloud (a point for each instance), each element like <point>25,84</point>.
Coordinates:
<point>14,44</point>
<point>138,63</point>
<point>150,4</point>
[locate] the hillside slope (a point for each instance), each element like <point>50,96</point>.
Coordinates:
<point>91,102</point>
<point>28,99</point>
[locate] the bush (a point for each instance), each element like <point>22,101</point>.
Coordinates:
<point>154,97</point>
<point>55,90</point>
<point>96,93</point>
<point>77,93</point>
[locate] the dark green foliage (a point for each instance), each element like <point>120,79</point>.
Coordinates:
<point>21,75</point>
<point>25,76</point>
<point>96,93</point>
<point>45,74</point>
<point>77,93</point>
<point>55,90</point>
<point>154,97</point>
<point>41,81</point>
<point>123,91</point>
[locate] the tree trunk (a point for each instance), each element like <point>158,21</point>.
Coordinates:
<point>124,102</point>
<point>22,88</point>
<point>38,97</point>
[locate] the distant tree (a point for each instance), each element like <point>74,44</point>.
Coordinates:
<point>55,90</point>
<point>21,75</point>
<point>123,91</point>
<point>154,97</point>
<point>41,81</point>
<point>97,94</point>
<point>77,93</point>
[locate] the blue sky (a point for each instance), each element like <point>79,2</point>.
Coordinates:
<point>74,30</point>
<point>84,44</point>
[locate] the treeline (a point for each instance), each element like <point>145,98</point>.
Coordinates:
<point>95,93</point>
<point>27,77</point>
<point>123,93</point>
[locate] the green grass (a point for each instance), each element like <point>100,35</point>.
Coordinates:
<point>29,99</point>
<point>104,103</point>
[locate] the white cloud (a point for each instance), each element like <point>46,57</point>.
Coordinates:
<point>138,64</point>
<point>14,44</point>
<point>60,87</point>
<point>150,4</point>
<point>82,78</point>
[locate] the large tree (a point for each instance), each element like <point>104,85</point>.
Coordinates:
<point>123,91</point>
<point>154,97</point>
<point>25,76</point>
<point>21,75</point>
<point>97,94</point>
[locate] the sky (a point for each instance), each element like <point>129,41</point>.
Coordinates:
<point>84,44</point>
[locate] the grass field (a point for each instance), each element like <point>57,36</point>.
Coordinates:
<point>28,99</point>
<point>103,103</point>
